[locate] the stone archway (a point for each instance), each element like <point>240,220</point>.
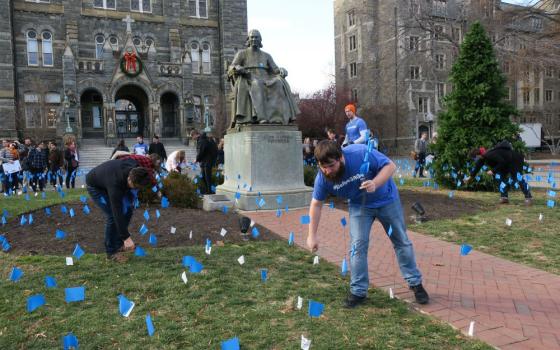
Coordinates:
<point>132,116</point>
<point>91,112</point>
<point>170,123</point>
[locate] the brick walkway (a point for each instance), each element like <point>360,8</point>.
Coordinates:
<point>513,306</point>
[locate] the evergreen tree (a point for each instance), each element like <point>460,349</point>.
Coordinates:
<point>477,114</point>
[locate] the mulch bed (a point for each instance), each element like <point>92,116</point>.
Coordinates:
<point>89,230</point>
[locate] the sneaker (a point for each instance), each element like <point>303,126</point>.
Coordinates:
<point>118,257</point>
<point>504,200</point>
<point>420,294</point>
<point>352,301</point>
<point>528,201</point>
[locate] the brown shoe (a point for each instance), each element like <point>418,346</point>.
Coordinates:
<point>504,200</point>
<point>118,257</point>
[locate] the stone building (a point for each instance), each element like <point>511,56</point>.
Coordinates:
<point>393,59</point>
<point>116,68</point>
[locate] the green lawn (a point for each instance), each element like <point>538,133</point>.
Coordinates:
<point>224,301</point>
<point>16,205</point>
<point>527,241</point>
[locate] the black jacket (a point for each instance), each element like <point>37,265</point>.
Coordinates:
<point>111,177</point>
<point>207,151</point>
<point>502,159</point>
<point>158,149</point>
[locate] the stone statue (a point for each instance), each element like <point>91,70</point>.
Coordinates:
<point>262,95</point>
<point>110,127</point>
<point>157,127</point>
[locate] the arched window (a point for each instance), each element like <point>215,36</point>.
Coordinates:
<point>32,49</point>
<point>206,67</point>
<point>99,43</point>
<point>149,42</point>
<point>137,42</point>
<point>114,41</point>
<point>32,110</point>
<point>47,49</point>
<point>195,58</point>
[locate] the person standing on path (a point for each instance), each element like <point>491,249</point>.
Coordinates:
<point>421,148</point>
<point>72,160</point>
<point>356,128</point>
<point>157,147</point>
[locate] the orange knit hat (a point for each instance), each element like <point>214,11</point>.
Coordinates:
<point>350,107</point>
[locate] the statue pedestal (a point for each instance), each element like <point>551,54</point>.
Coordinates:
<point>268,159</point>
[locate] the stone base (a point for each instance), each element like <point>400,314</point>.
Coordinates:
<point>266,159</point>
<point>215,202</point>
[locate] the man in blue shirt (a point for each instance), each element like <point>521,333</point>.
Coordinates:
<point>140,147</point>
<point>365,178</point>
<point>356,127</point>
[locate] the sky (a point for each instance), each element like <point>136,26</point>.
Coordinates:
<point>299,34</point>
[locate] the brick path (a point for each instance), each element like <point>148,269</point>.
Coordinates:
<point>513,306</point>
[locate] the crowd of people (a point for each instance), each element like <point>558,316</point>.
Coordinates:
<point>37,165</point>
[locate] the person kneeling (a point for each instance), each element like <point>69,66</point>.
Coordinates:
<point>113,186</point>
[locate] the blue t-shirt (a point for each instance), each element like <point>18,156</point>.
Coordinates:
<point>140,148</point>
<point>349,186</point>
<point>353,128</point>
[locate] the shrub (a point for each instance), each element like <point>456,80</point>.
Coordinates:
<point>180,191</point>
<point>309,173</point>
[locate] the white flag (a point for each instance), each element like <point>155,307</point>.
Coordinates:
<point>208,250</point>
<point>252,223</point>
<point>184,277</point>
<point>173,230</point>
<point>541,217</point>
<point>471,329</point>
<point>69,261</point>
<point>299,303</point>
<point>223,232</point>
<point>241,260</point>
<point>316,260</point>
<point>190,235</point>
<point>509,221</point>
<point>391,295</point>
<point>305,343</point>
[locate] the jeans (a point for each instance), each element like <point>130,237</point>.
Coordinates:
<point>71,176</point>
<point>207,176</point>
<point>420,162</point>
<point>361,219</point>
<point>522,184</point>
<point>55,174</point>
<point>38,178</point>
<point>113,241</point>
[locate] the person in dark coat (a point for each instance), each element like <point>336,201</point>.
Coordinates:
<point>113,186</point>
<point>207,154</point>
<point>506,165</point>
<point>72,161</point>
<point>56,163</point>
<point>120,147</point>
<point>157,147</point>
<point>38,162</point>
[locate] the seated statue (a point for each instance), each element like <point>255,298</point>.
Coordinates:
<point>262,95</point>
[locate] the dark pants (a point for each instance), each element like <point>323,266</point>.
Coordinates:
<point>54,175</point>
<point>420,162</point>
<point>9,181</point>
<point>113,241</point>
<point>206,169</point>
<point>505,189</point>
<point>71,177</point>
<point>37,179</point>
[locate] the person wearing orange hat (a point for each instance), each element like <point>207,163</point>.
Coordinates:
<point>356,127</point>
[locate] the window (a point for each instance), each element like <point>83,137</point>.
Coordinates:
<point>51,117</point>
<point>99,43</point>
<point>548,95</point>
<point>52,100</point>
<point>440,61</point>
<point>456,34</point>
<point>352,43</point>
<point>39,1</point>
<point>422,105</point>
<point>141,5</point>
<point>198,8</point>
<point>149,42</point>
<point>197,108</point>
<point>206,59</point>
<point>505,67</point>
<point>47,47</point>
<point>548,118</point>
<point>413,43</point>
<point>351,18</point>
<point>52,97</point>
<point>32,110</point>
<point>195,58</point>
<point>354,95</point>
<point>137,42</point>
<point>208,110</point>
<point>440,90</point>
<point>549,72</point>
<point>105,4</point>
<point>414,72</point>
<point>440,7</point>
<point>32,49</point>
<point>353,70</point>
<point>114,41</point>
<point>508,96</point>
<point>438,32</point>
<point>537,93</point>
<point>526,96</point>
<point>536,23</point>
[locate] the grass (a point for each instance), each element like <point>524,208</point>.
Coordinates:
<point>224,301</point>
<point>527,241</point>
<point>17,205</point>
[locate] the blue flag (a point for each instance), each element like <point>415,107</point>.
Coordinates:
<point>286,209</point>
<point>390,230</point>
<point>74,294</point>
<point>237,195</point>
<point>450,194</point>
<point>304,220</point>
<point>72,213</point>
<point>279,199</point>
<point>83,199</point>
<point>291,239</point>
<point>6,246</point>
<point>196,267</point>
<point>465,249</point>
<point>231,344</point>
<point>139,251</point>
<point>102,200</point>
<point>26,197</point>
<point>48,211</point>
<point>164,202</point>
<point>331,205</point>
<point>86,209</point>
<point>4,221</point>
<point>152,240</point>
<point>344,267</point>
<point>255,232</point>
<point>50,282</point>
<point>343,221</point>
<point>70,341</point>
<point>23,220</point>
<point>224,209</point>
<point>154,189</point>
<point>78,251</point>
<point>16,274</point>
<point>550,203</point>
<point>125,306</point>
<point>264,275</point>
<point>63,209</point>
<point>35,301</point>
<point>143,230</point>
<point>43,195</point>
<point>150,325</point>
<point>59,234</point>
<point>551,193</point>
<point>315,308</point>
<point>158,215</point>
<point>278,213</point>
<point>188,261</point>
<point>30,220</point>
<point>146,215</point>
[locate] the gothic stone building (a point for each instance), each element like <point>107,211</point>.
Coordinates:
<point>394,57</point>
<point>64,67</point>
